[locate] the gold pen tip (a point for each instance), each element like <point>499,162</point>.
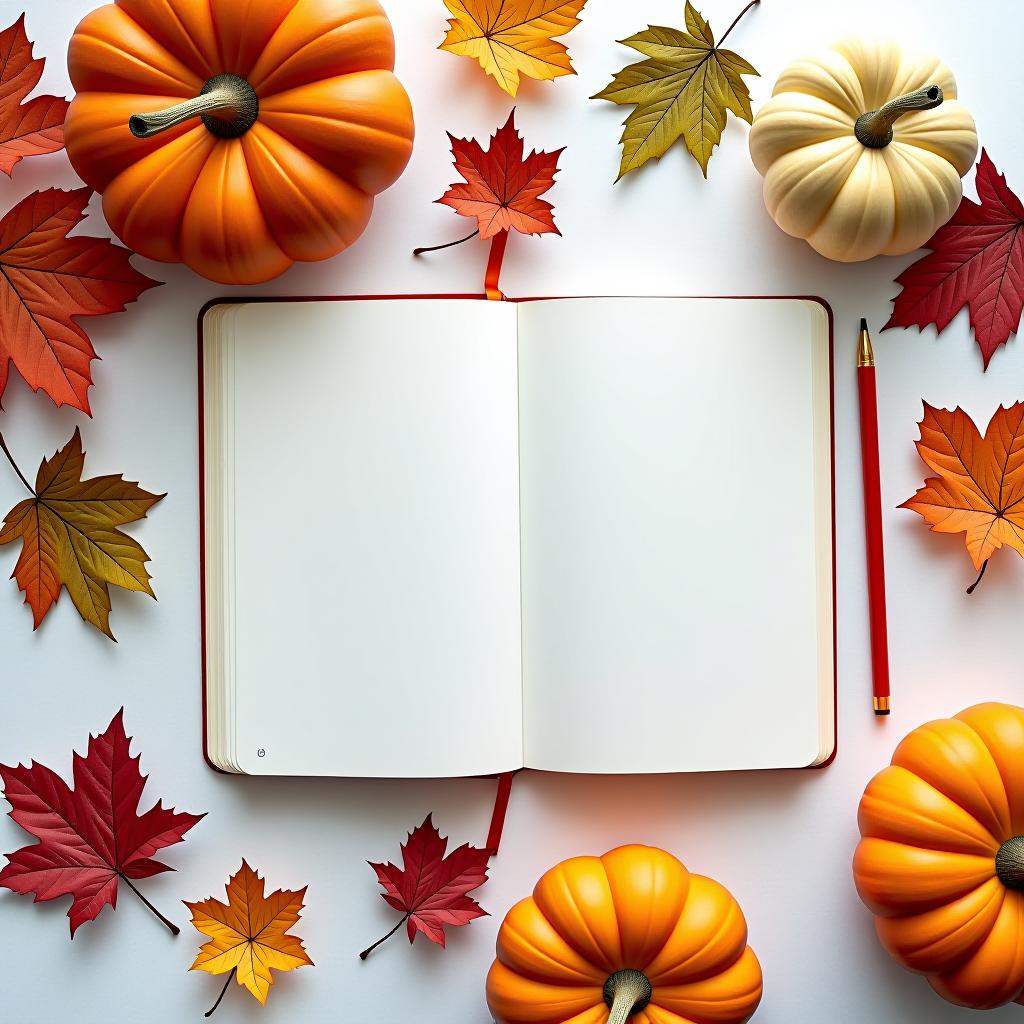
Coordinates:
<point>881,705</point>
<point>865,353</point>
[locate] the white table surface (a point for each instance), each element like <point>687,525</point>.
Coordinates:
<point>781,841</point>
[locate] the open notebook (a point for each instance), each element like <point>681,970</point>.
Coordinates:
<point>450,537</point>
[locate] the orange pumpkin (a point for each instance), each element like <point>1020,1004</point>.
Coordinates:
<point>629,936</point>
<point>237,137</point>
<point>941,861</point>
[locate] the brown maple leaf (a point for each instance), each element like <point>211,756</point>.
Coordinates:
<point>979,490</point>
<point>70,536</point>
<point>35,127</point>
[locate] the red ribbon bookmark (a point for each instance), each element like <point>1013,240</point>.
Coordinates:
<point>497,254</point>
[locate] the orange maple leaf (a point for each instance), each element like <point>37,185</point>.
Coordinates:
<point>249,934</point>
<point>502,188</point>
<point>47,282</point>
<point>513,37</point>
<point>35,127</point>
<point>980,487</point>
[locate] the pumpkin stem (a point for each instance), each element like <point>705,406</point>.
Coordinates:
<point>874,129</point>
<point>626,992</point>
<point>1010,863</point>
<point>227,104</point>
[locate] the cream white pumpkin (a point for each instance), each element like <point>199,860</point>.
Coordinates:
<point>852,191</point>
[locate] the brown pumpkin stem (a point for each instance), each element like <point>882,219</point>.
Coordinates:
<point>874,129</point>
<point>227,104</point>
<point>626,992</point>
<point>1010,863</point>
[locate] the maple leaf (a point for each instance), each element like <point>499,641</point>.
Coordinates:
<point>430,889</point>
<point>92,836</point>
<point>502,187</point>
<point>26,129</point>
<point>977,260</point>
<point>48,279</point>
<point>980,487</point>
<point>249,934</point>
<point>70,536</point>
<point>684,89</point>
<point>513,37</point>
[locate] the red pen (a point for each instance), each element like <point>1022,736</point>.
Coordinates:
<point>873,522</point>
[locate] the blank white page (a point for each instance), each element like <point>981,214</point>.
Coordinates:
<point>675,485</point>
<point>376,596</point>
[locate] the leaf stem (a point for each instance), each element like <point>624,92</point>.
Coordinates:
<point>447,245</point>
<point>222,991</point>
<point>171,926</point>
<point>735,21</point>
<point>14,465</point>
<point>369,949</point>
<point>984,566</point>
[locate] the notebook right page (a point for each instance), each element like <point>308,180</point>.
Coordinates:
<point>675,489</point>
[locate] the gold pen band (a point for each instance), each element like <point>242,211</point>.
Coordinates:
<point>881,705</point>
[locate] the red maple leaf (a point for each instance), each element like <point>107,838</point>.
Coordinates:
<point>977,260</point>
<point>90,836</point>
<point>430,889</point>
<point>502,189</point>
<point>48,279</point>
<point>26,129</point>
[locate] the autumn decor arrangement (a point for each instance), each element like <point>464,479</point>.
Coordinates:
<point>630,936</point>
<point>501,190</point>
<point>941,861</point>
<point>514,37</point>
<point>684,89</point>
<point>862,148</point>
<point>90,837</point>
<point>242,138</point>
<point>977,261</point>
<point>237,139</point>
<point>249,935</point>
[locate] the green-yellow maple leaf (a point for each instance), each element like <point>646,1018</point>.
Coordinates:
<point>684,89</point>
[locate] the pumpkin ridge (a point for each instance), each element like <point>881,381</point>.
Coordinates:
<point>998,895</point>
<point>186,88</point>
<point>170,169</point>
<point>710,971</point>
<point>258,82</point>
<point>940,735</point>
<point>839,155</point>
<point>201,67</point>
<point>927,818</point>
<point>296,194</point>
<point>244,18</point>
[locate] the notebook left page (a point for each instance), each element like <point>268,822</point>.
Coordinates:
<point>373,548</point>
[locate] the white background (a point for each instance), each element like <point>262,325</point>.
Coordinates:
<point>781,841</point>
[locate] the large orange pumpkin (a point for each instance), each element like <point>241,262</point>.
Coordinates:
<point>260,131</point>
<point>629,936</point>
<point>941,861</point>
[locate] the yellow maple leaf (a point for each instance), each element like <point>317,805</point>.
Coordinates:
<point>684,89</point>
<point>513,37</point>
<point>249,934</point>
